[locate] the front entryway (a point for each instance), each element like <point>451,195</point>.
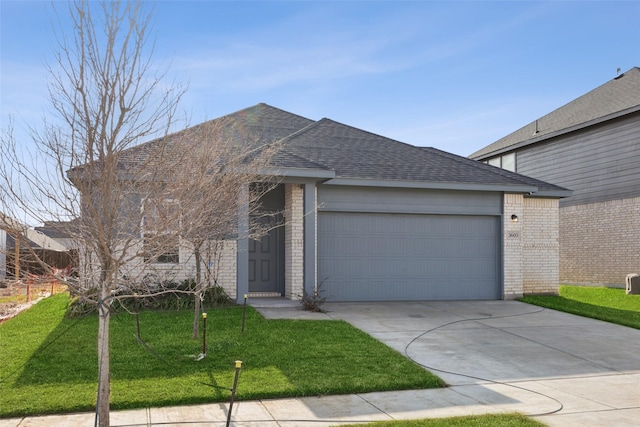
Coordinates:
<point>266,254</point>
<point>266,264</point>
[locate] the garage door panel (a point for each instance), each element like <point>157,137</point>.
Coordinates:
<point>369,257</point>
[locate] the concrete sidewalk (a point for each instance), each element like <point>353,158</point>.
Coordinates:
<point>321,411</point>
<point>496,356</point>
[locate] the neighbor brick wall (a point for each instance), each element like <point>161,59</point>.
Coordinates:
<point>540,246</point>
<point>600,242</point>
<point>294,241</point>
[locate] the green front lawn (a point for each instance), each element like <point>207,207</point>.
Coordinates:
<point>608,304</point>
<point>48,362</point>
<point>497,420</point>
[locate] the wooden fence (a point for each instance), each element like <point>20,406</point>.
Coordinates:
<point>30,290</point>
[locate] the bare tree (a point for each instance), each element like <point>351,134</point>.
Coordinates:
<point>208,193</point>
<point>133,205</point>
<point>107,97</point>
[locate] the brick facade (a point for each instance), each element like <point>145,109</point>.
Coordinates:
<point>540,246</point>
<point>512,246</point>
<point>293,241</point>
<point>600,242</point>
<point>530,246</point>
<point>227,270</point>
<point>224,267</point>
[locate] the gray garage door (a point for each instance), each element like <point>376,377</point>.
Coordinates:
<point>387,257</point>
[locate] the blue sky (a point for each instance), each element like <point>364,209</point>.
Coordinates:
<point>452,75</point>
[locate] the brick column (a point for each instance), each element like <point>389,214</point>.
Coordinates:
<point>512,246</point>
<point>294,241</point>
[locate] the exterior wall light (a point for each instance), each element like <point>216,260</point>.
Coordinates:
<point>514,218</point>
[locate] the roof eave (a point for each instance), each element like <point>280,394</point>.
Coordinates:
<point>460,186</point>
<point>557,133</point>
<point>556,194</point>
<point>299,173</point>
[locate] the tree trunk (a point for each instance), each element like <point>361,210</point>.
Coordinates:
<point>197,293</point>
<point>104,383</point>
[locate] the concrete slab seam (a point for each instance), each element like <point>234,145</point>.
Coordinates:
<point>268,411</point>
<point>382,411</point>
<point>504,330</point>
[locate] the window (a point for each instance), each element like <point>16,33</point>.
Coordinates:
<point>496,161</point>
<point>160,237</point>
<point>507,161</point>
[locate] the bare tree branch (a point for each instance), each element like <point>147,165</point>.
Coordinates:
<point>132,209</point>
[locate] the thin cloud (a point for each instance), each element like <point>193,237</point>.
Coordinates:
<point>251,67</point>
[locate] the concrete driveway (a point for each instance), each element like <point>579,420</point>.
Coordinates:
<point>573,370</point>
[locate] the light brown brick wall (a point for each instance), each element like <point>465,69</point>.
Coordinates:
<point>294,241</point>
<point>600,242</point>
<point>228,268</point>
<point>226,261</point>
<point>512,246</point>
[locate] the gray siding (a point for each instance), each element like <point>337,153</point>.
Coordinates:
<point>404,200</point>
<point>599,164</point>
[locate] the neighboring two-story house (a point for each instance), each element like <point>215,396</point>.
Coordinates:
<point>592,146</point>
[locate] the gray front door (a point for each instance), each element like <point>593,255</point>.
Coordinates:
<point>266,263</point>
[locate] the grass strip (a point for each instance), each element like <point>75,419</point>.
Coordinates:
<point>491,420</point>
<point>49,361</point>
<point>609,304</point>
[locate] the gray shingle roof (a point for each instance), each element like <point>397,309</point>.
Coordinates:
<point>258,125</point>
<point>616,97</point>
<point>355,154</point>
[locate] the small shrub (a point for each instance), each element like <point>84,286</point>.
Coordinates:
<point>216,296</point>
<point>313,302</point>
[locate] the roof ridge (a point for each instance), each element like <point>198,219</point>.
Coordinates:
<point>259,104</point>
<point>300,131</point>
<point>368,132</point>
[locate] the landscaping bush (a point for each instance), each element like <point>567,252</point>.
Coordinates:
<point>171,296</point>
